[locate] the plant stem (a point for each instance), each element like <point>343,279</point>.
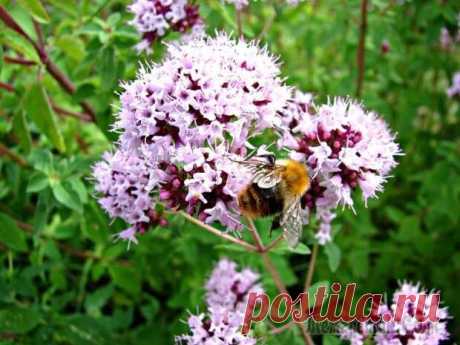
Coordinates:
<point>216,232</point>
<point>239,24</point>
<point>18,61</point>
<point>268,24</point>
<point>40,38</point>
<point>5,151</point>
<point>278,330</point>
<point>311,267</point>
<point>360,53</point>
<point>7,87</point>
<point>275,275</point>
<point>81,116</point>
<point>274,243</point>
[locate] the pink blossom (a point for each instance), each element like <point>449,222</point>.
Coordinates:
<point>155,18</point>
<point>229,288</point>
<point>226,298</point>
<point>345,147</point>
<point>454,89</point>
<point>409,330</point>
<point>184,119</point>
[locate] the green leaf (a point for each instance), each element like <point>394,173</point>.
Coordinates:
<point>42,210</point>
<point>18,320</point>
<point>42,160</point>
<point>72,46</point>
<point>126,278</point>
<point>329,339</point>
<point>312,291</point>
<point>333,255</point>
<point>67,196</point>
<point>84,91</point>
<point>37,183</point>
<point>228,17</point>
<point>68,6</point>
<point>36,9</point>
<point>21,129</point>
<point>11,235</point>
<point>97,299</point>
<point>18,43</point>
<point>108,70</point>
<point>283,248</point>
<point>113,19</point>
<point>38,107</point>
<point>80,189</point>
<point>79,329</point>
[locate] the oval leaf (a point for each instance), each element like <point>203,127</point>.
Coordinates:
<point>39,109</point>
<point>11,235</point>
<point>21,129</point>
<point>67,197</point>
<point>18,320</point>
<point>36,10</point>
<point>333,255</point>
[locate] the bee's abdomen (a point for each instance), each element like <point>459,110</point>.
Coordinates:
<point>255,202</point>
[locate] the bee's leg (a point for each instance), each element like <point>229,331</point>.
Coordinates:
<point>275,223</point>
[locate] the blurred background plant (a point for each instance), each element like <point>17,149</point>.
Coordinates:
<point>64,280</point>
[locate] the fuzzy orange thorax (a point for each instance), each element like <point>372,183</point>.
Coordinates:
<point>295,177</point>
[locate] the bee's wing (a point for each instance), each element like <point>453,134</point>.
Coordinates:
<point>291,223</point>
<point>264,175</point>
<point>266,178</point>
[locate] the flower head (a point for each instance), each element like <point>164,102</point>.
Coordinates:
<point>155,18</point>
<point>124,182</point>
<point>229,288</point>
<point>203,181</point>
<point>445,39</point>
<point>409,329</point>
<point>226,298</point>
<point>454,89</point>
<point>184,119</point>
<point>345,147</point>
<point>218,326</point>
<point>206,90</point>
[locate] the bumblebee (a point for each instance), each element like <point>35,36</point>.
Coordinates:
<point>276,188</point>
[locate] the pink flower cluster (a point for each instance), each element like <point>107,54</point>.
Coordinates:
<point>227,292</point>
<point>155,18</point>
<point>345,147</point>
<point>184,120</point>
<point>181,122</point>
<point>454,89</point>
<point>447,39</point>
<point>407,331</point>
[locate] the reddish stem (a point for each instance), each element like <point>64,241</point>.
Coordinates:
<point>360,53</point>
<point>19,61</point>
<point>275,275</point>
<point>81,116</point>
<point>5,151</point>
<point>311,267</point>
<point>6,87</point>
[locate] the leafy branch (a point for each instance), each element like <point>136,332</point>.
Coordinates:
<point>50,66</point>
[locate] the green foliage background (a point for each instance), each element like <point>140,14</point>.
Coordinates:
<point>64,281</point>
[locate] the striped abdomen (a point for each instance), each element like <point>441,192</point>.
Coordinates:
<point>254,201</point>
